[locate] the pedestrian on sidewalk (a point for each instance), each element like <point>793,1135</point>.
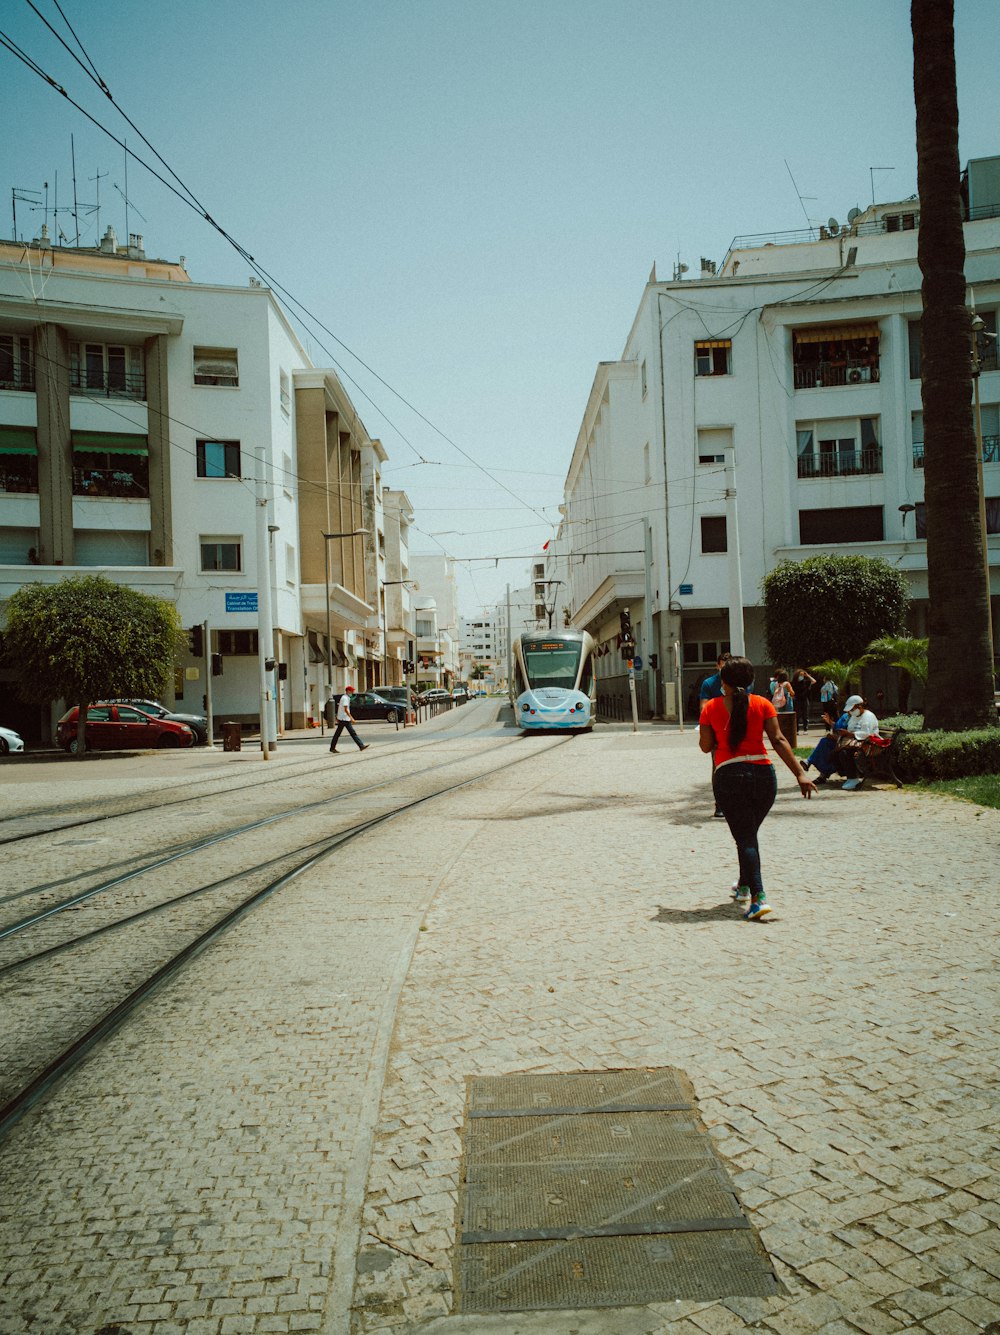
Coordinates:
<point>732,729</point>
<point>711,689</point>
<point>802,683</point>
<point>344,720</point>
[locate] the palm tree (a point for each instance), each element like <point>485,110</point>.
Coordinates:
<point>960,676</point>
<point>844,673</point>
<point>909,655</point>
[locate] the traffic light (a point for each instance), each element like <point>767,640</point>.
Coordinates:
<point>282,671</point>
<point>216,665</point>
<point>625,621</point>
<point>196,641</point>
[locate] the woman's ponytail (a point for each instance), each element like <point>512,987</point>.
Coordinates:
<point>738,673</point>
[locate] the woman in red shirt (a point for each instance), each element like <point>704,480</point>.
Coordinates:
<point>733,728</point>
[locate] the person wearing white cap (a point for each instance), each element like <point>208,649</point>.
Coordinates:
<point>861,724</point>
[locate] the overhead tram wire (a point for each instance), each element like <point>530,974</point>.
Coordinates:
<point>193,202</point>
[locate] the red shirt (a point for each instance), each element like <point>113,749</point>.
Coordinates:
<point>716,715</point>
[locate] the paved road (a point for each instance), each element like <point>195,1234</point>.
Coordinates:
<point>265,1147</point>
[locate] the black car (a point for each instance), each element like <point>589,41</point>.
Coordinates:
<point>368,705</point>
<point>198,723</point>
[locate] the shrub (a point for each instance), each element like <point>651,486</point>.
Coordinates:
<point>947,755</point>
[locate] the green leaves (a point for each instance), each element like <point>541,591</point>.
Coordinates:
<point>87,638</point>
<point>831,608</point>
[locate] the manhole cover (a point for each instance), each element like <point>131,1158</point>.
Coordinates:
<point>596,1189</point>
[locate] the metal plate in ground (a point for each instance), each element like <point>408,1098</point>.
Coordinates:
<point>581,1091</point>
<point>565,1206</point>
<point>612,1272</point>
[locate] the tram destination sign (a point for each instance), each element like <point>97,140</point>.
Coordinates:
<point>541,646</point>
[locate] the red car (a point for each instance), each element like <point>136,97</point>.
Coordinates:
<point>121,728</point>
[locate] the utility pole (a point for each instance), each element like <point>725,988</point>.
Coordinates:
<point>737,639</point>
<point>264,631</point>
<point>647,617</point>
<point>207,643</point>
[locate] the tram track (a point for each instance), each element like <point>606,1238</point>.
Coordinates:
<point>77,1028</point>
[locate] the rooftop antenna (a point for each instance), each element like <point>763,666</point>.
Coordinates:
<point>125,194</point>
<point>76,213</point>
<point>871,173</point>
<point>31,197</point>
<point>802,198</point>
<point>97,206</point>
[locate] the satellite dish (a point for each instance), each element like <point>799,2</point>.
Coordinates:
<point>853,215</point>
<point>833,225</point>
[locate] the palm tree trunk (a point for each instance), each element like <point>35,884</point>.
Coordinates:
<point>960,679</point>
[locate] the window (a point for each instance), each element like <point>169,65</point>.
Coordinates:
<point>646,474</point>
<point>18,459</point>
<point>108,463</point>
<point>913,338</point>
<point>990,418</point>
<point>713,533</point>
<point>216,366</point>
<point>17,369</point>
<point>847,523</point>
<point>712,443</point>
<point>425,628</point>
<point>828,356</point>
<point>713,356</point>
<point>900,222</point>
<point>244,642</point>
<point>992,516</point>
<point>218,458</point>
<point>289,565</point>
<point>286,473</point>
<point>284,393</point>
<point>642,377</point>
<point>111,369</point>
<point>220,554</point>
<point>838,448</point>
<point>917,436</point>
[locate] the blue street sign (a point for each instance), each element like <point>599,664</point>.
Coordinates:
<point>686,588</point>
<point>637,662</point>
<point>241,602</point>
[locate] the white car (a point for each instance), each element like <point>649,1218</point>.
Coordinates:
<point>10,742</point>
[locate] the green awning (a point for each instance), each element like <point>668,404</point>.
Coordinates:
<point>18,440</point>
<point>109,442</point>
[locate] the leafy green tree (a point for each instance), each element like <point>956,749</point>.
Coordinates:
<point>906,653</point>
<point>87,639</point>
<point>960,677</point>
<point>831,607</point>
<point>478,672</point>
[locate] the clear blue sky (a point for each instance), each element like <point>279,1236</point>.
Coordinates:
<point>471,194</point>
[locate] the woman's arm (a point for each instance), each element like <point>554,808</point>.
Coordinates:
<point>788,756</point>
<point>706,737</point>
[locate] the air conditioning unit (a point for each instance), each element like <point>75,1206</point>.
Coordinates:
<point>859,375</point>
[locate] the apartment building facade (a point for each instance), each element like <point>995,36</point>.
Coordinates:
<point>769,411</point>
<point>143,416</point>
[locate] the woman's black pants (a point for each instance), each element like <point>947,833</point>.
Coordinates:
<point>745,793</point>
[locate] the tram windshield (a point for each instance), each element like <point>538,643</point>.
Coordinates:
<point>552,663</point>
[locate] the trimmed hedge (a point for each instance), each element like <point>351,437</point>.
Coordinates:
<point>943,755</point>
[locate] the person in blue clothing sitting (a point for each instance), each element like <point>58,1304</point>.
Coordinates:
<point>821,757</point>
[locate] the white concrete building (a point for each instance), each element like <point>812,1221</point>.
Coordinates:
<point>140,416</point>
<point>434,574</point>
<point>480,656</point>
<point>397,590</point>
<point>767,411</point>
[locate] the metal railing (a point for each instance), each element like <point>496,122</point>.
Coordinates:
<point>18,377</point>
<point>116,482</point>
<point>827,375</point>
<point>109,384</point>
<point>19,479</point>
<point>841,463</point>
<point>991,451</point>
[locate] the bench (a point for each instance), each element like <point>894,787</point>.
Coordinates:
<point>876,755</point>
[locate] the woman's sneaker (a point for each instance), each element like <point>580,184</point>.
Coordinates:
<point>741,893</point>
<point>758,909</point>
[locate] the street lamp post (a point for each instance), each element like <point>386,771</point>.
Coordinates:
<point>327,539</point>
<point>979,331</point>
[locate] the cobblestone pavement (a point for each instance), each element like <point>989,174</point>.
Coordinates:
<point>274,1144</point>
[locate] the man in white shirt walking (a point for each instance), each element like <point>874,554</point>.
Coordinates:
<point>344,720</point>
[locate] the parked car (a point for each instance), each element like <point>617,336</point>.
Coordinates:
<point>198,723</point>
<point>10,742</point>
<point>370,705</point>
<point>121,727</point>
<point>460,693</point>
<point>435,693</point>
<point>399,695</point>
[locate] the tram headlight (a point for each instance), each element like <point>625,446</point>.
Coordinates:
<point>524,709</point>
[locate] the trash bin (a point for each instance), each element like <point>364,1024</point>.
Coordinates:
<point>231,733</point>
<point>789,725</point>
<point>330,711</point>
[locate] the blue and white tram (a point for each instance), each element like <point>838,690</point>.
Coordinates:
<point>554,680</point>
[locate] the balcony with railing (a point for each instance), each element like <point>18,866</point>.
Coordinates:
<point>991,451</point>
<point>828,375</point>
<point>16,377</point>
<point>110,383</point>
<point>19,473</point>
<point>841,463</point>
<point>131,482</point>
